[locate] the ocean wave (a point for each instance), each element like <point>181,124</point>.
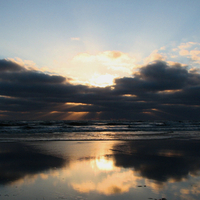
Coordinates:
<point>97,130</point>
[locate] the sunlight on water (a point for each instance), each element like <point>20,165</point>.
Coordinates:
<point>104,164</point>
<point>100,170</point>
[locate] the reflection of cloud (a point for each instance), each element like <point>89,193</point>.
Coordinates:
<point>98,174</point>
<point>190,191</point>
<point>84,187</point>
<point>185,191</point>
<point>162,166</point>
<point>112,183</point>
<point>44,176</point>
<point>90,166</point>
<point>155,186</point>
<point>119,182</point>
<point>31,179</point>
<point>161,160</point>
<point>22,161</point>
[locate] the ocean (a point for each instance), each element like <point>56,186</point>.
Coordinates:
<point>97,130</point>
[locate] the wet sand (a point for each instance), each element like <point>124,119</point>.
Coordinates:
<point>148,169</point>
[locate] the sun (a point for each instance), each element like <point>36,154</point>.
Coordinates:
<point>99,80</point>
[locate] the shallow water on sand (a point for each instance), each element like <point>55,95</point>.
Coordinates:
<point>100,170</point>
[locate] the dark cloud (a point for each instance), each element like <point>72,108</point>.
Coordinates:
<point>6,66</point>
<point>157,91</point>
<point>158,77</point>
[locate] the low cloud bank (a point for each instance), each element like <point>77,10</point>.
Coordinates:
<point>157,91</point>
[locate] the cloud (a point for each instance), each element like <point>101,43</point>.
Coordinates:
<point>113,63</point>
<point>186,45</point>
<point>75,38</point>
<point>156,91</point>
<point>184,52</point>
<point>190,50</point>
<point>162,48</point>
<point>158,77</point>
<point>154,56</point>
<point>28,64</point>
<point>195,54</point>
<point>108,58</point>
<point>7,66</point>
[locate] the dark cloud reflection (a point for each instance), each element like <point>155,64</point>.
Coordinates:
<point>160,160</point>
<point>156,91</point>
<point>19,160</point>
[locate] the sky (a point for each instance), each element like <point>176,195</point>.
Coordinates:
<point>108,59</point>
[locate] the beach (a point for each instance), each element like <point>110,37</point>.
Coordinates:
<point>137,169</point>
<point>99,100</point>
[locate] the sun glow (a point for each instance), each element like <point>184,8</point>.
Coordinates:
<point>99,69</point>
<point>169,91</point>
<point>102,80</point>
<point>77,104</point>
<point>76,115</point>
<point>129,95</point>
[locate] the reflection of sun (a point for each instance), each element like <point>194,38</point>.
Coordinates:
<point>104,164</point>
